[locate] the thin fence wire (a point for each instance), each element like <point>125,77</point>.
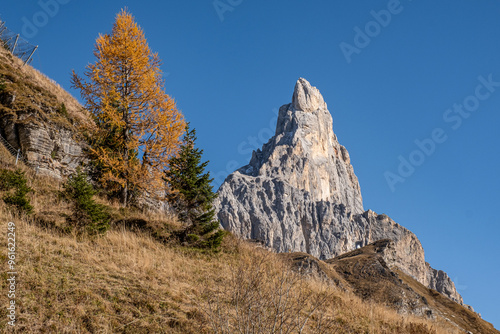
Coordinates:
<point>15,152</point>
<point>16,44</point>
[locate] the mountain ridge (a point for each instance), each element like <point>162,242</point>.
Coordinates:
<point>368,273</point>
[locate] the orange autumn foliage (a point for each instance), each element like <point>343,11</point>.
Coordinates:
<point>137,125</point>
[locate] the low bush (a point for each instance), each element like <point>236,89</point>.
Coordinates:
<point>63,110</point>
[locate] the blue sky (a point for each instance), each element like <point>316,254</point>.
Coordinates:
<point>394,74</point>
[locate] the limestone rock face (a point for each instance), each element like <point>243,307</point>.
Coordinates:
<point>40,119</point>
<point>50,149</point>
<point>300,194</point>
<point>307,98</point>
<point>441,282</point>
<point>304,153</point>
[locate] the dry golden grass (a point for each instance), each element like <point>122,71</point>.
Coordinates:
<point>446,308</point>
<point>41,79</point>
<point>130,283</point>
<point>36,92</point>
<point>6,159</point>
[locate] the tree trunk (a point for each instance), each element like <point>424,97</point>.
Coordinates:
<point>126,136</point>
<point>124,195</point>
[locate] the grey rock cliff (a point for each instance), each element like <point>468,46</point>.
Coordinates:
<point>300,194</point>
<point>440,281</point>
<point>49,148</point>
<point>305,154</point>
<point>39,118</point>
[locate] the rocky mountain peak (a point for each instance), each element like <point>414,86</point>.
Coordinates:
<point>299,193</point>
<point>305,153</point>
<point>306,97</point>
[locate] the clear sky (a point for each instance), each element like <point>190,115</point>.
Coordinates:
<point>413,87</point>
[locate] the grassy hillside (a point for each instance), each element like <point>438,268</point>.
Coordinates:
<point>131,282</point>
<point>371,279</point>
<point>26,91</point>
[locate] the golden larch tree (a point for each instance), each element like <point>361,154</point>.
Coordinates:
<point>137,126</point>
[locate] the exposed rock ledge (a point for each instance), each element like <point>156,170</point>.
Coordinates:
<point>48,148</point>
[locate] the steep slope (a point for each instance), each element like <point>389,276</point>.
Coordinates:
<point>367,273</point>
<point>300,194</point>
<point>38,117</point>
<point>128,282</point>
<point>132,281</point>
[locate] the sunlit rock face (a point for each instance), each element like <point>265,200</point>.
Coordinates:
<point>299,193</point>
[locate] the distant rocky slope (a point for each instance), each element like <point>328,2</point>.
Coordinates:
<point>38,117</point>
<point>370,273</point>
<point>300,194</point>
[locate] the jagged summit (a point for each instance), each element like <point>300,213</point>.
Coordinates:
<point>306,97</point>
<point>305,154</point>
<point>299,193</point>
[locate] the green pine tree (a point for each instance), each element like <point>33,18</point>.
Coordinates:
<point>16,180</point>
<point>191,195</point>
<point>87,214</point>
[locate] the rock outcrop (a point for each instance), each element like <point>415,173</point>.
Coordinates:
<point>306,154</point>
<point>373,273</point>
<point>300,194</point>
<point>47,147</point>
<point>440,281</point>
<point>38,117</point>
